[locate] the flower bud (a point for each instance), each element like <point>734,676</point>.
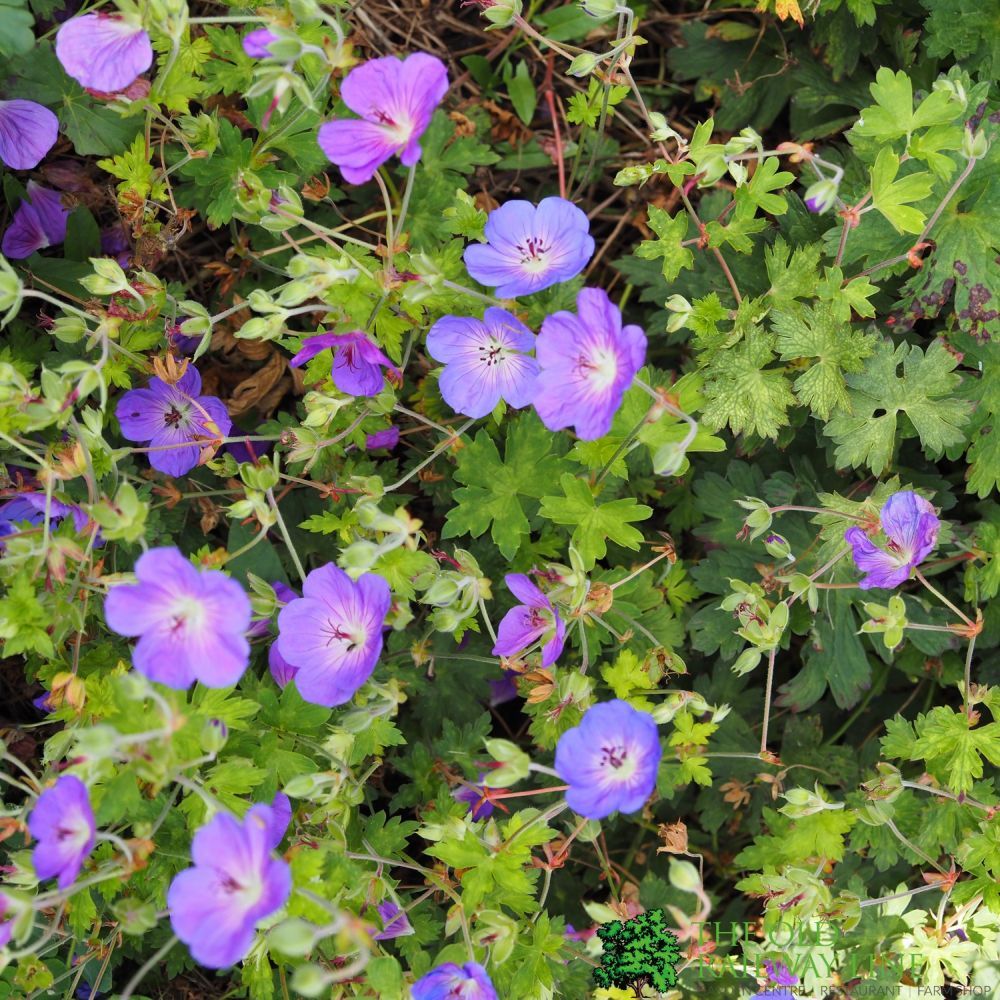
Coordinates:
<point>310,981</point>
<point>684,876</point>
<point>583,65</point>
<point>759,519</point>
<point>975,145</point>
<point>600,9</point>
<point>777,546</point>
<point>669,459</point>
<point>500,13</point>
<point>11,291</point>
<point>628,176</point>
<point>681,309</point>
<point>214,734</point>
<point>821,196</point>
<point>747,661</point>
<point>294,938</point>
<point>515,764</point>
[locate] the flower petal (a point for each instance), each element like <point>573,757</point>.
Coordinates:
<point>103,51</point>
<point>27,132</point>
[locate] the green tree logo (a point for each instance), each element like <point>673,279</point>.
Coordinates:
<point>637,953</point>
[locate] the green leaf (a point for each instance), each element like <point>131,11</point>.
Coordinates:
<point>670,232</point>
<point>893,197</point>
<point>893,116</point>
<point>947,742</point>
<point>522,93</point>
<point>815,332</point>
<point>742,392</point>
<point>968,31</point>
<point>759,190</point>
<point>794,274</point>
<point>594,524</point>
<point>16,36</point>
<point>83,238</point>
<point>924,391</point>
<point>495,488</point>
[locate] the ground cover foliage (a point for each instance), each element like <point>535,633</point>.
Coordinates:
<point>651,563</point>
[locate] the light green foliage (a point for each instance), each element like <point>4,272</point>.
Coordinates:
<point>500,493</point>
<point>899,380</point>
<point>594,524</point>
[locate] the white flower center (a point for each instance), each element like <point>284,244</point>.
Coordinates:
<point>599,368</point>
<point>186,614</point>
<point>533,255</point>
<point>616,763</point>
<point>492,352</point>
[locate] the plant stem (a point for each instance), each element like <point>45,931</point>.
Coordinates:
<point>284,534</point>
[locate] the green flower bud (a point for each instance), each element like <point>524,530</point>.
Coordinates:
<point>600,9</point>
<point>583,65</point>
<point>310,981</point>
<point>821,196</point>
<point>294,938</point>
<point>515,764</point>
<point>975,145</point>
<point>684,876</point>
<point>11,291</point>
<point>778,547</point>
<point>214,734</point>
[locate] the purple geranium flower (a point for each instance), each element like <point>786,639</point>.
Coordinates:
<point>395,100</point>
<point>395,922</point>
<point>30,507</point>
<point>27,132</point>
<point>910,524</point>
<point>39,222</point>
<point>357,362</point>
<point>172,418</point>
<point>255,45</point>
<point>485,361</point>
<point>333,633</point>
<point>104,52</point>
<point>235,883</point>
<point>610,760</point>
<point>454,982</point>
<point>526,623</point>
<point>529,248</point>
<point>387,439</point>
<point>63,824</point>
<point>587,362</point>
<point>773,995</point>
<point>480,807</point>
<point>192,623</point>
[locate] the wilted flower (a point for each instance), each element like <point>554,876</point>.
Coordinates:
<point>39,222</point>
<point>485,361</point>
<point>911,526</point>
<point>530,621</point>
<point>192,623</point>
<point>454,982</point>
<point>587,362</point>
<point>610,760</point>
<point>395,99</point>
<point>27,132</point>
<point>529,248</point>
<point>357,362</point>
<point>62,823</point>
<point>235,883</point>
<point>173,419</point>
<point>395,922</point>
<point>103,52</point>
<point>333,633</point>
